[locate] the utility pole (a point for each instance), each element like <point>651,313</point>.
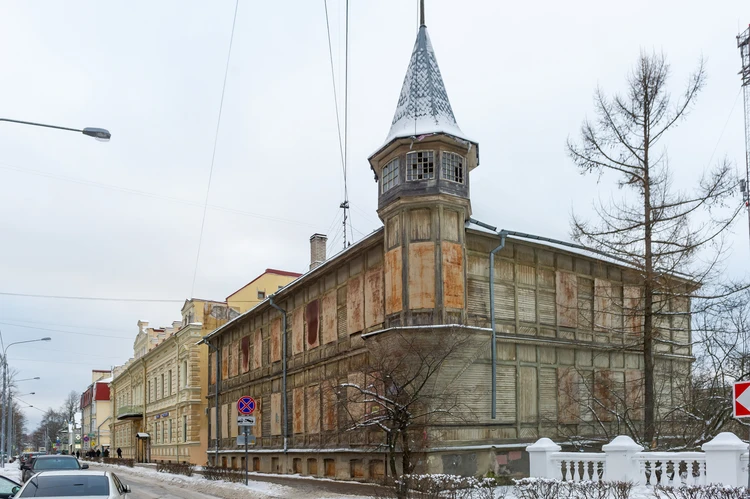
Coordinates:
<point>743,43</point>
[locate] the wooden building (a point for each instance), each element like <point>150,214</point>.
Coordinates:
<point>562,327</point>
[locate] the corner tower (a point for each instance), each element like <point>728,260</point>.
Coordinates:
<point>422,171</point>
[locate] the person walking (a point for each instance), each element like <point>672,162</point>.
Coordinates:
<point>106,452</point>
<point>78,454</point>
<point>119,453</point>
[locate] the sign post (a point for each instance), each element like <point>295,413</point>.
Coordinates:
<point>741,409</point>
<point>246,406</point>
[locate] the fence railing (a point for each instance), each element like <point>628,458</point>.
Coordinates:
<point>723,461</point>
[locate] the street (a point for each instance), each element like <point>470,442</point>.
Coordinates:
<point>148,484</point>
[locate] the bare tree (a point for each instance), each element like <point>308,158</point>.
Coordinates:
<point>71,405</point>
<point>672,239</point>
<point>404,388</point>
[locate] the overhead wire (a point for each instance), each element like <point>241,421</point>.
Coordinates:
<point>91,298</point>
<point>213,154</point>
<point>68,332</point>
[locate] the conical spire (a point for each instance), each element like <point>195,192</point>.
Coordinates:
<point>423,106</point>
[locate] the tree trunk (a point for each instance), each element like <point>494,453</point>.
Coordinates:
<point>648,288</point>
<point>406,463</point>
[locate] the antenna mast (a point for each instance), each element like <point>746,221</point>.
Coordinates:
<point>345,204</point>
<point>743,43</point>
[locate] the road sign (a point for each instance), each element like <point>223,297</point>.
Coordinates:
<point>741,399</point>
<point>246,405</point>
<point>245,420</point>
<point>86,438</point>
<point>241,440</point>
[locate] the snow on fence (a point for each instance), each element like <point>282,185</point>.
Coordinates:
<point>724,460</point>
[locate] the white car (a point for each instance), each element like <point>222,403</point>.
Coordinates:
<point>82,484</point>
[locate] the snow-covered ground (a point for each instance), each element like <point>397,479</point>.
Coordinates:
<point>11,471</point>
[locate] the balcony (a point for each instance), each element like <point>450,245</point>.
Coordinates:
<point>130,412</point>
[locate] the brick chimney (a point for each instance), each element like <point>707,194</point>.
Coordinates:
<point>317,250</point>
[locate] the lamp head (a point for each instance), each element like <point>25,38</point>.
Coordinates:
<point>97,133</point>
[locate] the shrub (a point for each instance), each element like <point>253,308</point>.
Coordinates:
<point>700,492</point>
<point>219,473</point>
<point>176,468</point>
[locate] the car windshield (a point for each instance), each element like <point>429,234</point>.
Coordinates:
<point>66,486</point>
<point>56,463</point>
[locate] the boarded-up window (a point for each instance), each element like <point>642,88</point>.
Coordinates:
<point>603,305</point>
<point>374,297</point>
<point>421,275</point>
<point>526,305</point>
<point>224,363</point>
<point>393,232</point>
<point>245,347</point>
<point>355,318</point>
<point>634,393</point>
<point>632,309</point>
<point>298,411</point>
<point>567,399</point>
<point>329,407</point>
<point>453,275</point>
<point>312,400</point>
<point>257,430</point>
<point>257,349</point>
<point>566,299</point>
<point>528,394</point>
<point>328,318</point>
<point>420,223</point>
<point>298,331</point>
<point>234,363</point>
<point>276,340</point>
<point>450,225</point>
<point>275,414</point>
<point>604,395</point>
<point>212,368</point>
<point>312,319</point>
<point>506,394</point>
<point>355,400</point>
<point>548,395</point>
<point>393,282</point>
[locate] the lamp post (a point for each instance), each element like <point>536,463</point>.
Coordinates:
<point>6,417</point>
<point>97,133</point>
<point>11,433</point>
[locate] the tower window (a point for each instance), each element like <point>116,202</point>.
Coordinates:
<point>453,167</point>
<point>420,165</point>
<point>390,177</point>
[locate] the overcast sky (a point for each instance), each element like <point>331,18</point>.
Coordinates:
<point>122,219</point>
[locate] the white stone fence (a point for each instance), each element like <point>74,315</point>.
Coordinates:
<point>723,461</point>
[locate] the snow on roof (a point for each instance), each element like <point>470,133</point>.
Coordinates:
<point>423,106</point>
<point>105,380</point>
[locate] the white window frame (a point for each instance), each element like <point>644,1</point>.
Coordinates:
<point>453,167</point>
<point>391,175</point>
<point>420,165</point>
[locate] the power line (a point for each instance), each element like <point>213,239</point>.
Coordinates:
<point>90,298</point>
<point>68,332</point>
<point>153,195</point>
<point>76,326</point>
<point>216,140</point>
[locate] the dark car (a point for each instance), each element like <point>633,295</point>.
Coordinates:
<point>51,463</point>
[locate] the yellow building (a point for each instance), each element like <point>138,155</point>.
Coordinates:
<point>159,395</point>
<point>96,411</point>
<point>254,292</point>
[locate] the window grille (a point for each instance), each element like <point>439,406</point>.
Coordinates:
<point>453,167</point>
<point>390,177</point>
<point>420,165</point>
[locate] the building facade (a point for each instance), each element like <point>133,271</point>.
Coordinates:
<point>96,412</point>
<point>562,324</point>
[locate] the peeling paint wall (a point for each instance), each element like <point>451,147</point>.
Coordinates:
<point>355,317</point>
<point>393,281</point>
<point>421,275</point>
<point>312,319</point>
<point>374,297</point>
<point>298,331</point>
<point>276,340</point>
<point>453,275</point>
<point>328,318</point>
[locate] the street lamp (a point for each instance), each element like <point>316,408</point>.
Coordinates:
<point>98,133</point>
<point>11,433</point>
<point>5,397</point>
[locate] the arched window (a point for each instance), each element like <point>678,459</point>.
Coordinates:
<point>420,165</point>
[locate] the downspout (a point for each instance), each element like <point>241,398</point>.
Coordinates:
<point>502,234</point>
<point>283,370</point>
<point>99,433</point>
<point>216,397</point>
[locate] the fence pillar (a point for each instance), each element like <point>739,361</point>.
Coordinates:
<point>723,465</point>
<point>618,459</point>
<point>540,459</point>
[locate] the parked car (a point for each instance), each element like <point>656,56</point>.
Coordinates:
<point>8,487</point>
<point>99,484</point>
<point>51,463</point>
<point>27,456</point>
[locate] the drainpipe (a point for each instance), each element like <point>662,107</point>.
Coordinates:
<point>216,397</point>
<point>99,433</point>
<point>283,369</point>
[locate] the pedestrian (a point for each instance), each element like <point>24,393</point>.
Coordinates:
<point>106,452</point>
<point>78,454</point>
<point>119,453</point>
<point>98,452</point>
